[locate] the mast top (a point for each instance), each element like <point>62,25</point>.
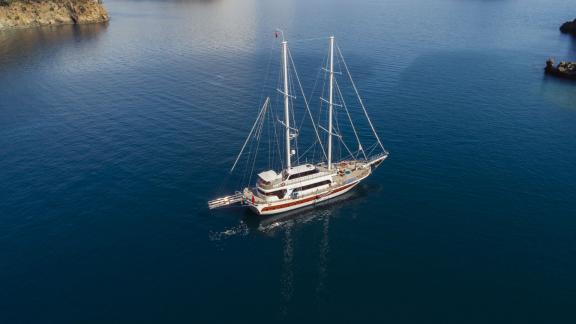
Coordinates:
<point>278,30</point>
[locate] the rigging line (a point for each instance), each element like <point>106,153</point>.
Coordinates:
<point>259,132</point>
<point>323,104</point>
<point>264,107</point>
<point>372,148</point>
<point>360,99</point>
<point>320,70</point>
<point>255,138</point>
<point>347,149</point>
<point>269,142</point>
<point>319,119</point>
<point>370,153</point>
<point>247,164</point>
<point>320,106</point>
<point>293,114</point>
<point>245,180</point>
<point>349,117</point>
<point>301,122</point>
<point>276,118</point>
<point>277,138</point>
<point>310,147</point>
<point>316,78</point>
<point>267,75</point>
<point>341,137</point>
<point>292,99</point>
<point>261,126</point>
<point>306,103</point>
<point>336,130</point>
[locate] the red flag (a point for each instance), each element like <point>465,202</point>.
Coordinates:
<point>252,199</point>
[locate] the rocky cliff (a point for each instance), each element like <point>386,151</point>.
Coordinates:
<point>569,27</point>
<point>31,13</point>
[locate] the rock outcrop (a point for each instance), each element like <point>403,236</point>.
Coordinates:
<point>565,70</point>
<point>569,27</point>
<point>32,13</point>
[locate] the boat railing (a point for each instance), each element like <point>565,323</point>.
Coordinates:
<point>236,198</point>
<point>377,156</point>
<point>290,198</point>
<point>289,182</point>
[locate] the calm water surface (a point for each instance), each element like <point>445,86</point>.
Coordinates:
<point>113,137</point>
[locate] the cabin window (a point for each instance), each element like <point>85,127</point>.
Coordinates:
<point>303,174</point>
<point>313,185</point>
<point>278,193</point>
<point>262,181</point>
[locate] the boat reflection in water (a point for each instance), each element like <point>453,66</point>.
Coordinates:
<point>286,226</point>
<point>287,222</point>
<point>307,214</point>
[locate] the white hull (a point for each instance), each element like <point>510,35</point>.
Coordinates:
<point>292,204</point>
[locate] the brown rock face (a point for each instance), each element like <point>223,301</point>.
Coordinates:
<point>28,13</point>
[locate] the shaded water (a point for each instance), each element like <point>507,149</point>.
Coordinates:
<point>113,137</point>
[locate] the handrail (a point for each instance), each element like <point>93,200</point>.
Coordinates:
<point>298,180</point>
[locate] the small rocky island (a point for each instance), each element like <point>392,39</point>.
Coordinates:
<point>33,13</point>
<point>565,70</point>
<point>569,27</point>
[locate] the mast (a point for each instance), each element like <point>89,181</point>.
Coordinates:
<point>330,103</point>
<point>286,102</point>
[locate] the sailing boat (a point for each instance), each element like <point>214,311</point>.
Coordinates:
<point>297,186</point>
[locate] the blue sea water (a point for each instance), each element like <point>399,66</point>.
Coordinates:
<point>113,137</point>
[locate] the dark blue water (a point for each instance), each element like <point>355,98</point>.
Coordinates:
<point>113,137</point>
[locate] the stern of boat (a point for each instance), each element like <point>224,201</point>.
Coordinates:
<point>252,200</point>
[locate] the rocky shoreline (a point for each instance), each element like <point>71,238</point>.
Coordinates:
<point>566,70</point>
<point>34,13</point>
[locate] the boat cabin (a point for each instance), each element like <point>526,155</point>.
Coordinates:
<point>299,172</point>
<point>295,181</point>
<point>268,178</point>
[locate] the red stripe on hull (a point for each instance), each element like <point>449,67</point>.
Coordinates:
<point>305,200</point>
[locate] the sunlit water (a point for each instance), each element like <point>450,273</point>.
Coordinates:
<point>113,137</point>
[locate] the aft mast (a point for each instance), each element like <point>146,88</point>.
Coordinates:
<point>330,102</point>
<point>286,102</point>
